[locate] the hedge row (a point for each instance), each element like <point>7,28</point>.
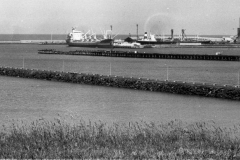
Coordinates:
<point>226,92</point>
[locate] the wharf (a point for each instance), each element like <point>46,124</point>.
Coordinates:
<point>234,45</point>
<point>135,54</point>
<point>10,42</point>
<point>44,42</point>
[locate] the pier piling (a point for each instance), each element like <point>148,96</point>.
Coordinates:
<point>144,55</point>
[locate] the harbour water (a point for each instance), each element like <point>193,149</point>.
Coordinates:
<point>18,37</point>
<point>28,99</point>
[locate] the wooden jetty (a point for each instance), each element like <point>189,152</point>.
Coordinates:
<point>136,54</point>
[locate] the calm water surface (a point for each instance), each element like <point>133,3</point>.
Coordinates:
<point>29,99</point>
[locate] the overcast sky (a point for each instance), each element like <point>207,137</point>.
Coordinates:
<point>203,17</point>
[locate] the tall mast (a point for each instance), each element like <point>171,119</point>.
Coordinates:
<point>137,31</point>
<point>111,31</point>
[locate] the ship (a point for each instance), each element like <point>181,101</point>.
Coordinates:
<point>181,40</point>
<point>80,39</point>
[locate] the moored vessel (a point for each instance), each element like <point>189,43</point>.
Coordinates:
<point>80,39</point>
<point>181,40</point>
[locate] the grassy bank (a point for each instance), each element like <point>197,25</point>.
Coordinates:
<point>87,140</point>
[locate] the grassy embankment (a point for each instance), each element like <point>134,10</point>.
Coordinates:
<point>86,140</point>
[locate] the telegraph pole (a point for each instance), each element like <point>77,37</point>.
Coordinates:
<point>238,79</point>
<point>23,62</point>
<point>110,68</point>
<point>167,70</point>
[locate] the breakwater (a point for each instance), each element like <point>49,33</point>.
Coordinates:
<point>136,54</point>
<point>177,87</point>
<point>34,42</point>
<point>234,45</point>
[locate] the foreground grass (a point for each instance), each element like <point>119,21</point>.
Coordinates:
<point>86,140</point>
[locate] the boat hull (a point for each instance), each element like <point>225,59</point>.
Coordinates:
<point>92,45</point>
<point>99,44</point>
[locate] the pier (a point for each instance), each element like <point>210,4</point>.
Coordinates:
<point>63,42</point>
<point>136,54</point>
<point>234,45</point>
<point>176,87</point>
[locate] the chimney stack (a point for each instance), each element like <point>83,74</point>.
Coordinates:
<point>238,32</point>
<point>239,29</point>
<point>145,35</point>
<point>110,36</point>
<point>171,33</point>
<point>183,34</point>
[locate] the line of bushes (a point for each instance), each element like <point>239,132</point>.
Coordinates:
<point>217,91</point>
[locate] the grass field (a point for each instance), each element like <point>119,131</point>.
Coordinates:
<point>136,140</point>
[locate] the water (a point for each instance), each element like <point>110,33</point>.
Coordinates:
<point>220,72</point>
<point>18,37</point>
<point>29,99</point>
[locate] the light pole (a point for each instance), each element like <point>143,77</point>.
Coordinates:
<point>23,62</point>
<point>63,66</point>
<point>167,71</point>
<point>238,78</point>
<point>110,68</point>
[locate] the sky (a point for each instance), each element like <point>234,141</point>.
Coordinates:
<point>197,17</point>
